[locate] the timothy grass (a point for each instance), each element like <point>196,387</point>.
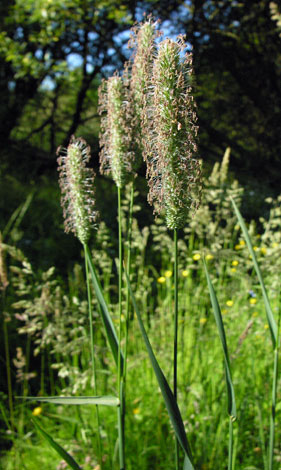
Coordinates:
<point>52,317</point>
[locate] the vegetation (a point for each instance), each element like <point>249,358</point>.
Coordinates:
<point>164,352</point>
<point>50,322</point>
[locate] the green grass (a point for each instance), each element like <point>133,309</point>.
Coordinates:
<point>61,337</point>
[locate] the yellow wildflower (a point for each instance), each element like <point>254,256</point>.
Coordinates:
<point>233,270</point>
<point>168,273</point>
<point>37,411</point>
<point>202,321</point>
<point>263,250</point>
<point>237,247</point>
<point>161,279</point>
<point>255,248</point>
<point>235,262</point>
<point>196,257</point>
<point>242,242</point>
<point>266,327</point>
<point>229,303</point>
<point>136,411</point>
<point>209,256</point>
<point>185,273</point>
<point>253,301</point>
<point>274,245</point>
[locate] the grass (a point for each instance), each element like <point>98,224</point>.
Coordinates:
<point>61,337</point>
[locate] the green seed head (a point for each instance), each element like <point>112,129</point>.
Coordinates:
<point>117,154</point>
<point>77,187</point>
<point>173,172</point>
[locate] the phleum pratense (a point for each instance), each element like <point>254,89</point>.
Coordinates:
<point>173,171</point>
<point>77,187</point>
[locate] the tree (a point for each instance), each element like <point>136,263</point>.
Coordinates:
<point>237,64</point>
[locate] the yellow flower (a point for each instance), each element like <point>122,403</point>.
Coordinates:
<point>242,242</point>
<point>266,327</point>
<point>161,279</point>
<point>236,227</point>
<point>185,273</point>
<point>233,270</point>
<point>168,273</point>
<point>196,257</point>
<point>229,303</point>
<point>237,247</point>
<point>274,245</point>
<point>136,411</point>
<point>255,248</point>
<point>202,321</point>
<point>263,250</point>
<point>37,411</point>
<point>253,301</point>
<point>235,262</point>
<point>209,256</point>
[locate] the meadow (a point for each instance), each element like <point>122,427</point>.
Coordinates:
<point>53,355</point>
<point>160,349</point>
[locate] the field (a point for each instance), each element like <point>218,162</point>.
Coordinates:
<point>48,347</point>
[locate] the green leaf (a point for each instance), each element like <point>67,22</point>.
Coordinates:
<point>219,322</point>
<point>106,400</point>
<point>270,318</point>
<point>167,393</point>
<point>70,460</point>
<point>106,318</point>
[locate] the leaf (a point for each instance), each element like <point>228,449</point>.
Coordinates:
<point>106,318</point>
<point>67,457</point>
<point>167,393</point>
<point>219,322</point>
<point>270,318</point>
<point>106,400</point>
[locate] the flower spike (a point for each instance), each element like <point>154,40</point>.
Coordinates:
<point>77,187</point>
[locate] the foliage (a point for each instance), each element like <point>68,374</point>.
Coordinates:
<point>53,316</point>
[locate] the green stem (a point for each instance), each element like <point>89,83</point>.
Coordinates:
<point>176,333</point>
<point>273,406</point>
<point>92,347</point>
<point>129,240</point>
<point>120,383</point>
<point>8,371</point>
<point>230,445</point>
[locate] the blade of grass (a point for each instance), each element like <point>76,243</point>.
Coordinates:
<point>67,457</point>
<point>219,322</point>
<point>107,321</point>
<point>170,402</point>
<point>105,400</point>
<point>229,384</point>
<point>274,396</point>
<point>270,318</point>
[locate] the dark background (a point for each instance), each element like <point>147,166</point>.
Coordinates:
<point>52,60</point>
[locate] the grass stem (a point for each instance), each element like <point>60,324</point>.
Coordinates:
<point>89,293</point>
<point>274,394</point>
<point>120,370</point>
<point>176,269</point>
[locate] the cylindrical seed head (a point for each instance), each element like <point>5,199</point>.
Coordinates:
<point>77,187</point>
